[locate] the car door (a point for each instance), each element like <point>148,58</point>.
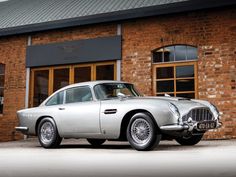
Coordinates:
<point>79,115</point>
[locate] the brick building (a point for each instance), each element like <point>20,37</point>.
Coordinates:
<point>180,47</point>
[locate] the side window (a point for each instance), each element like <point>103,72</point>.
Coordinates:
<point>56,99</point>
<point>78,94</point>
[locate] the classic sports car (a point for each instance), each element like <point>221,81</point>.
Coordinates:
<point>112,110</point>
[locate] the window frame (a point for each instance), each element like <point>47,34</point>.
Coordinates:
<point>174,65</point>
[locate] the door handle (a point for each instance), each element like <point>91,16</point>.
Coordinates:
<point>61,108</point>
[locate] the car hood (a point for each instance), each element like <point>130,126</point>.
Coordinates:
<point>183,104</point>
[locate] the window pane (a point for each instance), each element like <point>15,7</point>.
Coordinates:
<point>180,52</point>
<point>165,72</point>
<point>78,94</point>
<point>105,72</point>
<point>56,99</point>
<point>165,86</point>
<point>185,85</point>
<point>1,100</point>
<point>157,56</point>
<point>82,74</point>
<point>2,69</point>
<point>186,95</point>
<point>169,54</point>
<point>2,77</point>
<point>191,53</point>
<point>60,78</point>
<point>40,86</point>
<point>185,71</point>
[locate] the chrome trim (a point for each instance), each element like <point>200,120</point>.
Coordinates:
<point>110,111</point>
<point>190,126</point>
<point>219,124</point>
<point>174,127</point>
<point>199,115</point>
<point>22,129</point>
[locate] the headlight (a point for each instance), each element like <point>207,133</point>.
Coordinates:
<point>174,110</point>
<point>215,111</point>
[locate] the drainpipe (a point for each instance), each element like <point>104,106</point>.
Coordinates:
<point>29,42</point>
<point>118,62</point>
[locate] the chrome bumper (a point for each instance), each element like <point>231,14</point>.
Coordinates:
<point>188,127</point>
<point>23,130</point>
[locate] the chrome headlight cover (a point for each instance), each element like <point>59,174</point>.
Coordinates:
<point>215,111</point>
<point>174,110</point>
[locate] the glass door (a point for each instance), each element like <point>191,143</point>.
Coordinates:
<point>82,73</point>
<point>40,86</point>
<point>45,81</point>
<point>105,72</point>
<point>60,78</point>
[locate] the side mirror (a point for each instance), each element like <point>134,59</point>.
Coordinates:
<point>121,96</point>
<point>167,95</point>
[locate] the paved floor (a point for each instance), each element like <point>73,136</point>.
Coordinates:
<point>77,158</point>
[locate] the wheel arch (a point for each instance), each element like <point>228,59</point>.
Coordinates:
<point>128,116</point>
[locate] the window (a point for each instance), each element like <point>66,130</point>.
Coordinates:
<point>78,94</point>
<point>46,80</point>
<point>173,72</point>
<point>2,80</point>
<point>56,99</point>
<point>111,90</point>
<point>174,53</point>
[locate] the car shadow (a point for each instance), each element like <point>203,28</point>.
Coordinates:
<point>85,146</point>
<point>161,147</point>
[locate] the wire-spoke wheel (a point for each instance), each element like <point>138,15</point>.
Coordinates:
<point>47,134</point>
<point>142,133</point>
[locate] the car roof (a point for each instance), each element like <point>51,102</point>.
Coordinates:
<point>91,83</point>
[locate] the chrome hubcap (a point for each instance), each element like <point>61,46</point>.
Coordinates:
<point>141,131</point>
<point>47,132</point>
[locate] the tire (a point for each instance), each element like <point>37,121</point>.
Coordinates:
<point>96,142</point>
<point>142,133</point>
<point>47,134</point>
<point>189,141</point>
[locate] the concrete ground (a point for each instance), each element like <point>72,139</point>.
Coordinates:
<point>77,158</point>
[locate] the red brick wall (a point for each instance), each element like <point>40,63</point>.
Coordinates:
<point>213,32</point>
<point>70,34</point>
<point>12,54</point>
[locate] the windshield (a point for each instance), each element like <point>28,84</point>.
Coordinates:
<point>110,90</point>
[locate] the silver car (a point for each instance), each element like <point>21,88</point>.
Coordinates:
<point>113,110</point>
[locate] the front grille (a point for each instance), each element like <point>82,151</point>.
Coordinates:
<point>199,114</point>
